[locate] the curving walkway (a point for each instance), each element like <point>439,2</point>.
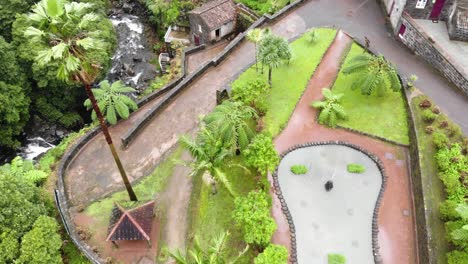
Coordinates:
<point>396,223</point>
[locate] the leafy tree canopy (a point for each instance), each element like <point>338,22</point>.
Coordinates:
<point>273,254</point>
<point>252,215</point>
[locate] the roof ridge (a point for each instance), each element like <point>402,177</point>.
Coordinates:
<point>206,9</point>
<point>130,217</point>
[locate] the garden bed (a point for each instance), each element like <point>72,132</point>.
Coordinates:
<point>290,80</point>
<point>383,117</point>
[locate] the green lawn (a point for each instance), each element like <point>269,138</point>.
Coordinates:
<point>211,214</point>
<point>289,81</point>
<point>385,117</point>
<point>144,189</point>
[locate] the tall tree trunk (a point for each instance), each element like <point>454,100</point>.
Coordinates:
<point>105,131</point>
<point>269,75</point>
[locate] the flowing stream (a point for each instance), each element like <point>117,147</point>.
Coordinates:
<point>131,64</point>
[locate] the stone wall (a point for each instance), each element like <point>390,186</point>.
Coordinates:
<point>422,45</point>
<point>424,13</point>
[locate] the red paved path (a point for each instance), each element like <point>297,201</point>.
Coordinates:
<point>396,223</point>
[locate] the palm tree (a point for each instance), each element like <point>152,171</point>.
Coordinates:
<point>375,74</point>
<point>216,253</point>
<point>231,120</point>
<point>209,153</point>
<point>254,36</point>
<point>273,51</point>
<point>330,107</point>
<point>61,28</point>
<point>112,101</point>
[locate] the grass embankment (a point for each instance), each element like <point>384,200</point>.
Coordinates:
<point>264,6</point>
<point>290,80</point>
<point>146,189</point>
<point>433,187</point>
<point>384,117</point>
<point>212,214</point>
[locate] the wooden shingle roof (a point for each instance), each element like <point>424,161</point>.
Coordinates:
<point>216,13</point>
<point>134,224</point>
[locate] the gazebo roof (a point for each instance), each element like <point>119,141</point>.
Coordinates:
<point>134,224</point>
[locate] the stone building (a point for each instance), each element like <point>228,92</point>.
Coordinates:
<point>457,23</point>
<point>212,21</point>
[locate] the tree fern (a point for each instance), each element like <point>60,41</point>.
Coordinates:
<point>330,109</point>
<point>113,101</point>
<point>24,169</point>
<point>374,74</point>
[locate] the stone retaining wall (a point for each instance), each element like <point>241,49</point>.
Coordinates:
<point>60,194</point>
<point>422,45</point>
<point>287,213</point>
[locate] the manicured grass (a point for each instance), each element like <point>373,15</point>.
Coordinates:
<point>385,117</point>
<point>356,168</point>
<point>298,169</point>
<point>144,189</point>
<point>211,214</point>
<point>290,81</point>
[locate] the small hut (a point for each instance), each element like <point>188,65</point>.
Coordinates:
<point>133,224</point>
<point>212,21</point>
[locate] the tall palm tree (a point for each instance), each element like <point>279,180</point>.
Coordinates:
<point>61,29</point>
<point>375,74</point>
<point>215,254</point>
<point>273,51</point>
<point>330,108</point>
<point>112,101</point>
<point>209,154</point>
<point>231,120</point>
<point>254,36</point>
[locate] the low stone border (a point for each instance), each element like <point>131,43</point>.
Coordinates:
<point>284,207</point>
<point>175,88</point>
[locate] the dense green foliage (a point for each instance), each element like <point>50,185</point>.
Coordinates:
<point>265,6</point>
<point>231,122</point>
<point>214,253</point>
<point>330,108</point>
<point>112,101</point>
<point>261,154</point>
<point>384,117</point>
<point>443,154</point>
<point>299,169</point>
<point>24,169</point>
<point>252,215</point>
<point>54,98</point>
<point>166,13</point>
<point>254,93</point>
<point>356,168</point>
<point>273,254</point>
<point>42,244</point>
<point>336,259</point>
<point>14,102</point>
<point>375,74</point>
<point>289,81</point>
<point>8,11</point>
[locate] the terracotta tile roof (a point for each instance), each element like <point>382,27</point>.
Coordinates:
<point>216,13</point>
<point>134,224</point>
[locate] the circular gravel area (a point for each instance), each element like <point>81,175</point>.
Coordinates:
<point>338,221</point>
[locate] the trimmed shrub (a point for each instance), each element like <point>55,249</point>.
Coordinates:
<point>440,140</point>
<point>298,169</point>
<point>356,168</point>
<point>261,154</point>
<point>428,116</point>
<point>252,216</point>
<point>336,259</point>
<point>457,257</point>
<point>273,254</point>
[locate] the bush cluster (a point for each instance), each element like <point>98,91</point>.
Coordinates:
<point>428,116</point>
<point>356,168</point>
<point>299,169</point>
<point>253,93</point>
<point>273,254</point>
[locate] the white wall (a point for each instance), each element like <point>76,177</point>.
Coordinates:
<point>397,10</point>
<point>225,30</point>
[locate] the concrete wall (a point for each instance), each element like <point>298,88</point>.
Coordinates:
<point>417,13</point>
<point>226,29</point>
<point>421,44</point>
<point>394,9</point>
